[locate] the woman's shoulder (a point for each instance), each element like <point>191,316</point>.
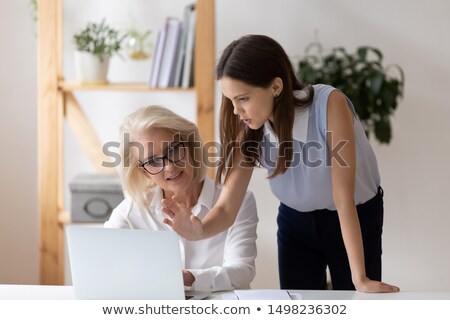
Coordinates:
<point>322,89</point>
<point>248,210</point>
<point>119,215</point>
<point>249,198</point>
<point>124,207</point>
<point>322,94</point>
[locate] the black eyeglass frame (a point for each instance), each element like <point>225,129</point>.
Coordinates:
<point>163,159</point>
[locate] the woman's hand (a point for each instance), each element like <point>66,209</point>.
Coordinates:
<point>188,278</point>
<point>182,220</point>
<point>371,286</point>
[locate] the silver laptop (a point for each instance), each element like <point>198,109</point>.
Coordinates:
<point>126,264</point>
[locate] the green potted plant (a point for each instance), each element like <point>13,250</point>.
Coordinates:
<point>373,88</point>
<point>138,44</point>
<point>95,44</point>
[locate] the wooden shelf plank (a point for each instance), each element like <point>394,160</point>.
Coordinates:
<point>204,72</point>
<point>64,218</point>
<point>86,136</point>
<point>77,86</point>
<point>50,144</point>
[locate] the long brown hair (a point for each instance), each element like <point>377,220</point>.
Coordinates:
<point>257,60</point>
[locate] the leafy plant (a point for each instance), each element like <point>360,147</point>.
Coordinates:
<point>362,77</point>
<point>139,44</point>
<point>34,9</point>
<point>99,39</point>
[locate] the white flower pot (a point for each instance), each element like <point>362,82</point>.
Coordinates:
<point>89,68</point>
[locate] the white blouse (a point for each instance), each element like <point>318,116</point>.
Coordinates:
<point>223,262</point>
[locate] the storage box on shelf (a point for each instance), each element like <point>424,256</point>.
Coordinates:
<point>94,196</point>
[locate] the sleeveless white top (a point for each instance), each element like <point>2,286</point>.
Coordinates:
<point>306,184</point>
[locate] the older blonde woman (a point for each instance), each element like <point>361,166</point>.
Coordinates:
<point>162,157</point>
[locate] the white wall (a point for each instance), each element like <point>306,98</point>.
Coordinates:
<point>18,160</point>
<point>414,170</point>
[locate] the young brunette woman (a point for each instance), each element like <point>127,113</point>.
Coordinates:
<point>320,166</point>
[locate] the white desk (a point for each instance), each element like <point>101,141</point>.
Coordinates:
<point>32,292</point>
<point>35,292</point>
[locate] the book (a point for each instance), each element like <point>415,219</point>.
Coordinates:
<point>157,56</point>
<point>188,65</point>
<point>166,76</point>
<point>183,41</point>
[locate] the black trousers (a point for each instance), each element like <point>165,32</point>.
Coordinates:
<point>308,242</point>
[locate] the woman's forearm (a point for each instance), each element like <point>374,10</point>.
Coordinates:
<point>216,221</point>
<point>351,234</point>
<point>223,214</point>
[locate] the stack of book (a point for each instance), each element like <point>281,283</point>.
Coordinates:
<point>173,58</point>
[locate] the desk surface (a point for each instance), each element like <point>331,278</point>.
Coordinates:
<point>35,292</point>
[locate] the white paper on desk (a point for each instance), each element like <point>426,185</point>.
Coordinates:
<point>262,294</point>
<point>296,295</point>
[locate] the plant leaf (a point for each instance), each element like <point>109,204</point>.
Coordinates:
<point>362,53</point>
<point>383,130</point>
<point>376,81</point>
<point>377,52</point>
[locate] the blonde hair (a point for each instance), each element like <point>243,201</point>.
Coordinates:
<point>134,182</point>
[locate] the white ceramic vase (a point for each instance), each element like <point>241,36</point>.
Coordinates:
<point>89,68</point>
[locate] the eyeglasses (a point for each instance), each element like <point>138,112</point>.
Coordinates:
<point>155,165</point>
